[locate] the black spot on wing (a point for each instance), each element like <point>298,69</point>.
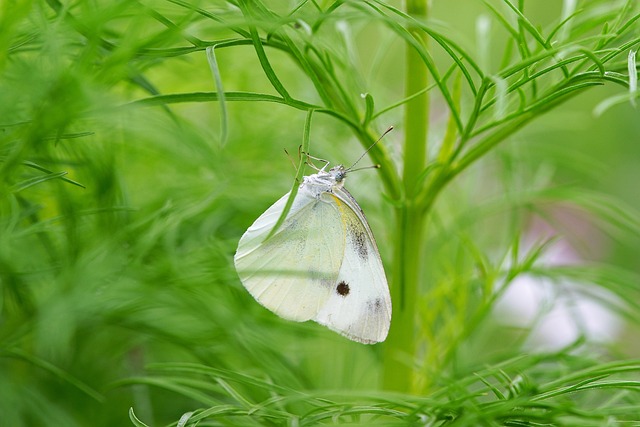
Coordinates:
<point>359,239</point>
<point>343,288</point>
<point>356,230</point>
<point>361,243</point>
<point>375,305</point>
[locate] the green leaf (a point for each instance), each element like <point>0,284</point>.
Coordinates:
<point>299,176</point>
<point>224,120</point>
<point>262,56</point>
<point>447,44</point>
<point>213,96</point>
<point>428,61</point>
<point>527,25</point>
<point>35,181</point>
<point>369,108</point>
<point>43,169</point>
<point>136,422</point>
<point>55,371</point>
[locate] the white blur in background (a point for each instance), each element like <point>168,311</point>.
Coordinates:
<point>559,312</point>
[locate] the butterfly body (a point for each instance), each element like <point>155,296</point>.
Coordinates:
<point>321,264</point>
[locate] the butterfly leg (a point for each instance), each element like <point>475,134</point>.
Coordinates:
<point>291,159</point>
<point>309,156</point>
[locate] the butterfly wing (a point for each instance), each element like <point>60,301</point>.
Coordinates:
<point>360,305</point>
<point>294,271</point>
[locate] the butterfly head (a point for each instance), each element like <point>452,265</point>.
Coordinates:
<point>338,172</point>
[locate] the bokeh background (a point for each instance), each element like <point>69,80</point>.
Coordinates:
<point>130,263</point>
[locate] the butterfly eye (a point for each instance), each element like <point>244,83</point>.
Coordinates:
<point>343,289</point>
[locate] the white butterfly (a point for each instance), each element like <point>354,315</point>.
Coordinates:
<point>321,264</point>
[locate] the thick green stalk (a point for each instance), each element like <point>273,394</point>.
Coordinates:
<point>400,348</point>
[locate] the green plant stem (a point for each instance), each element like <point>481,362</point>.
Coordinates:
<point>401,345</point>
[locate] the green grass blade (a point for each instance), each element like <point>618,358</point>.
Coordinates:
<point>224,120</point>
<point>134,419</point>
<point>47,171</point>
<point>56,371</point>
<point>527,25</point>
<point>262,56</point>
<point>299,176</point>
<point>428,61</point>
<point>214,96</point>
<point>448,45</point>
<point>16,188</point>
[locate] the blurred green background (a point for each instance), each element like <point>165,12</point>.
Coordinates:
<point>133,266</point>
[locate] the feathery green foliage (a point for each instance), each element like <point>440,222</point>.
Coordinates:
<point>137,143</point>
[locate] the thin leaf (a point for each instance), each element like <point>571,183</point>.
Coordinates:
<point>43,169</point>
<point>369,108</point>
<point>564,27</point>
<point>633,77</point>
<point>527,25</point>
<point>136,422</point>
<point>224,119</point>
<point>606,104</point>
<point>56,371</point>
<point>504,21</point>
<point>428,61</point>
<point>35,181</point>
<point>210,15</point>
<point>213,96</point>
<point>184,419</point>
<point>299,174</point>
<point>451,133</point>
<point>169,385</point>
<point>448,45</point>
<point>245,402</point>
<point>262,57</point>
<point>403,101</point>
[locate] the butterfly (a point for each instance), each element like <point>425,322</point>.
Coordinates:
<point>321,264</point>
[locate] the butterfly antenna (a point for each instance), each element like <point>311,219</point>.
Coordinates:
<point>370,147</point>
<point>365,167</point>
<point>291,159</point>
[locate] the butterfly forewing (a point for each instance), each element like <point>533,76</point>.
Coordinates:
<point>294,271</point>
<point>359,306</point>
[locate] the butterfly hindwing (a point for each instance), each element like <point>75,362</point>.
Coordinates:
<point>359,306</point>
<point>293,272</point>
